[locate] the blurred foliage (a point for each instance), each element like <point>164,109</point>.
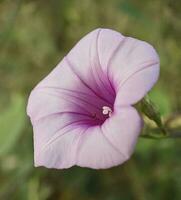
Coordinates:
<point>34,36</point>
<point>12,121</point>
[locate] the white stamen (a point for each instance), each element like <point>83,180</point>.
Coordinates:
<point>106,110</point>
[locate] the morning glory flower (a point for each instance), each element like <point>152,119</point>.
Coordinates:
<point>82,113</point>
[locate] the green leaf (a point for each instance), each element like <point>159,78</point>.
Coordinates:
<point>12,122</point>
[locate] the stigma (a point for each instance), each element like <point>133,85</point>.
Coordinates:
<point>106,110</point>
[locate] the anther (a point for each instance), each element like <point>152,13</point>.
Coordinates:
<point>106,110</point>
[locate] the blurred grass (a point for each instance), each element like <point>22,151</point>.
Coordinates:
<point>34,36</point>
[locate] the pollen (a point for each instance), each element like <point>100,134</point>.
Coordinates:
<point>106,110</point>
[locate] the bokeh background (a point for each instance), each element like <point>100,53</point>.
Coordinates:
<point>34,37</point>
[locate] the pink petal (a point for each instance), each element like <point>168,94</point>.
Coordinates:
<point>126,58</point>
<point>62,91</point>
<point>112,143</point>
<point>85,63</point>
<point>60,151</point>
<point>135,87</point>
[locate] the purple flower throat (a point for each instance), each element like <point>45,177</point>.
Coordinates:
<point>94,98</point>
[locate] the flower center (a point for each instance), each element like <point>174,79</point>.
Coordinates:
<point>106,110</point>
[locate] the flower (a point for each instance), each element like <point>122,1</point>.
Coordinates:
<point>82,113</point>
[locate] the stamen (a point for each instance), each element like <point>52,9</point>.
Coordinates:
<point>106,110</point>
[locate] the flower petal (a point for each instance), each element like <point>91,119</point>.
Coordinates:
<point>61,91</point>
<point>60,151</point>
<point>122,129</point>
<point>126,59</point>
<point>112,143</point>
<point>137,85</point>
<point>84,61</point>
<point>95,151</point>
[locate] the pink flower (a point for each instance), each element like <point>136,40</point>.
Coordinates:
<point>82,112</point>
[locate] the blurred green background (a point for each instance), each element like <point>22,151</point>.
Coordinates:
<point>34,37</point>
